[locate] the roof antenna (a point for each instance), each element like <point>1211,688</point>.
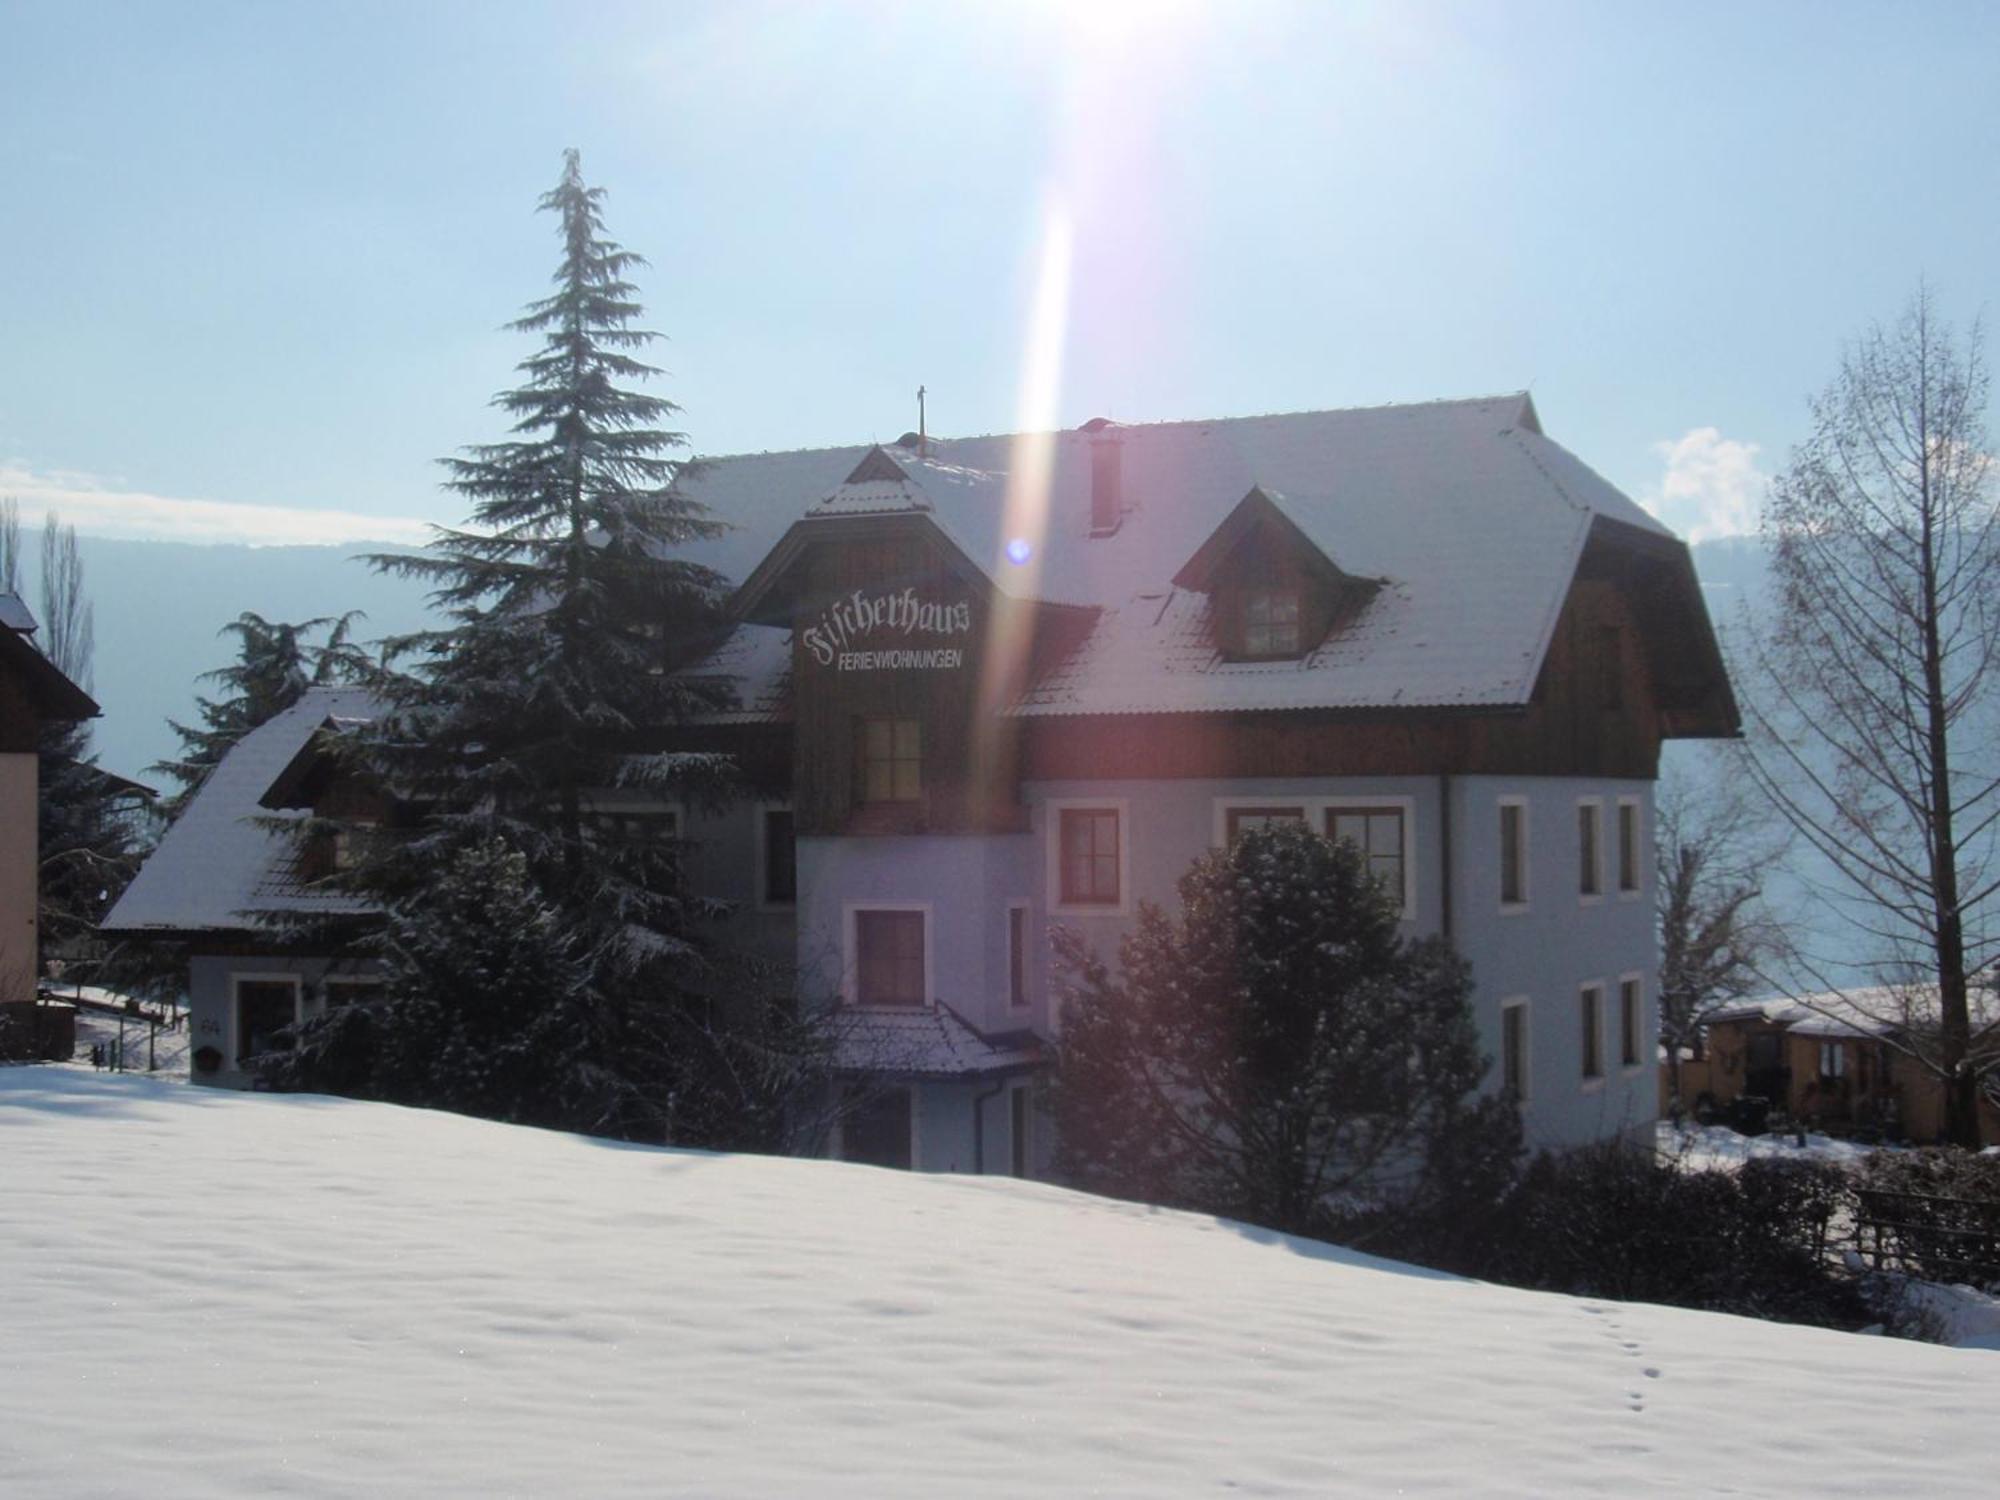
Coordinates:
<point>923,438</point>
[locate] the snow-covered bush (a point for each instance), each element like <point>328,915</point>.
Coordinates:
<point>1276,1051</point>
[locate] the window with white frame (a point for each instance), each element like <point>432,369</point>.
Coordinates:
<point>1628,846</point>
<point>1832,1060</point>
<point>1589,847</point>
<point>890,961</point>
<point>1090,856</point>
<point>1514,1046</point>
<point>1631,1014</point>
<point>1377,834</point>
<point>1513,852</point>
<point>1590,1013</point>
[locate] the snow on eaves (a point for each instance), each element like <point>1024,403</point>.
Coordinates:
<point>930,1042</point>
<point>223,861</point>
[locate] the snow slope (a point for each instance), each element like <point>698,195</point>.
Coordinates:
<point>232,1294</point>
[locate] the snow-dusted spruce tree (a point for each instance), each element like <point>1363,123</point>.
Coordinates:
<point>568,612</point>
<point>275,663</point>
<point>1873,711</point>
<point>1275,1052</point>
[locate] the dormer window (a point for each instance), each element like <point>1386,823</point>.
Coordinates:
<point>1274,593</point>
<point>1271,622</point>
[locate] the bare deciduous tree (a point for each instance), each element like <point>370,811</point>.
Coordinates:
<point>69,623</point>
<point>1714,840</point>
<point>1873,727</point>
<point>10,546</point>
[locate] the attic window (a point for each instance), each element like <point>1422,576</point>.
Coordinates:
<point>1271,622</point>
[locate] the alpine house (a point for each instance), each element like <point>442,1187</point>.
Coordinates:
<point>987,685</point>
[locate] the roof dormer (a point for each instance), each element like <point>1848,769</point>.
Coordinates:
<point>1274,594</point>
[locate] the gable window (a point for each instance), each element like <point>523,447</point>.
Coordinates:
<point>878,1128</point>
<point>1241,820</point>
<point>889,958</point>
<point>1017,956</point>
<point>781,858</point>
<point>1514,1046</point>
<point>1090,856</point>
<point>1590,1012</point>
<point>264,1007</point>
<point>892,760</point>
<point>1589,831</point>
<point>1377,835</point>
<point>1628,846</point>
<point>1271,622</point>
<point>1514,853</point>
<point>1628,1021</point>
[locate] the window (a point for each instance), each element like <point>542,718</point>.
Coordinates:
<point>1019,1142</point>
<point>1514,1046</point>
<point>264,1007</point>
<point>1514,852</point>
<point>1589,823</point>
<point>889,958</point>
<point>1377,835</point>
<point>781,858</point>
<point>892,760</point>
<point>1017,956</point>
<point>878,1128</point>
<point>1271,622</point>
<point>345,990</point>
<point>1832,1060</point>
<point>1591,1013</point>
<point>1089,853</point>
<point>1629,1017</point>
<point>1243,819</point>
<point>1628,846</point>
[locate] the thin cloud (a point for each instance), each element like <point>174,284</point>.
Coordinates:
<point>1711,485</point>
<point>99,508</point>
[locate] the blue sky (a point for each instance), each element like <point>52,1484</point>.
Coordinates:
<point>257,256</point>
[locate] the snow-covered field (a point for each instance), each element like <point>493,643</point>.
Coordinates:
<point>219,1294</point>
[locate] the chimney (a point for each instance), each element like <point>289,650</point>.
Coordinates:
<point>1107,476</point>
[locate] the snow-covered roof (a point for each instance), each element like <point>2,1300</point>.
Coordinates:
<point>932,1042</point>
<point>223,861</point>
<point>1471,517</point>
<point>15,614</point>
<point>1868,1012</point>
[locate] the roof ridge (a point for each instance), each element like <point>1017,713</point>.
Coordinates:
<point>1488,399</point>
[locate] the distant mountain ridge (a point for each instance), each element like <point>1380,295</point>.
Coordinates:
<point>160,605</point>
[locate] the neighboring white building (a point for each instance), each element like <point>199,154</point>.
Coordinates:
<point>990,684</point>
